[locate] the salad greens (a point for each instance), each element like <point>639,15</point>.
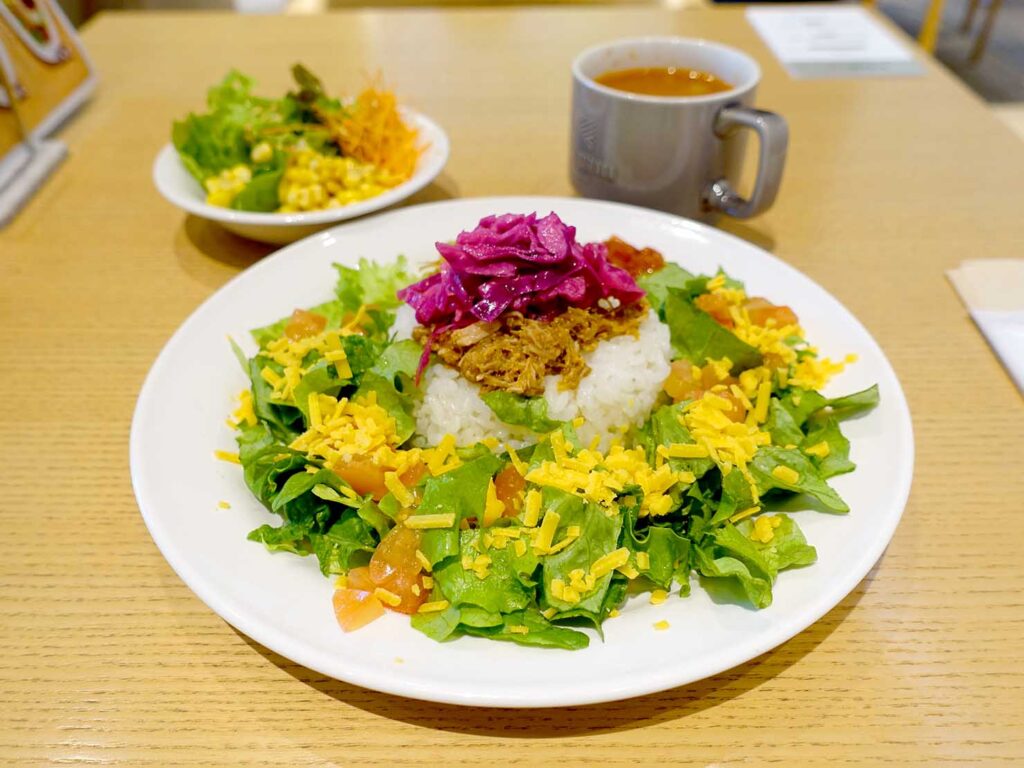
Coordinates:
<point>530,412</point>
<point>550,560</point>
<point>304,151</point>
<point>697,337</point>
<point>237,121</point>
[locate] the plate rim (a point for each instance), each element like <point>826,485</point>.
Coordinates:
<point>283,644</point>
<point>436,157</point>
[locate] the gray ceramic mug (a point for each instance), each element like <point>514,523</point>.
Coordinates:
<point>673,153</point>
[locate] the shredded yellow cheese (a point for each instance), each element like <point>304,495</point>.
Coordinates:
<point>814,373</point>
<point>227,456</point>
<point>786,475</point>
<point>568,539</point>
<point>600,478</point>
<point>821,450</point>
<point>608,563</point>
<point>742,515</point>
<point>721,368</point>
<point>628,571</point>
<point>729,444</point>
<point>290,354</point>
<point>244,414</point>
<point>443,458</point>
<point>386,597</point>
<point>764,393</point>
<point>546,534</point>
<point>480,566</point>
<point>423,561</point>
<point>531,508</point>
<point>423,522</point>
<point>434,606</point>
<point>557,588</point>
<point>684,451</point>
<point>518,463</point>
<point>341,430</point>
<point>394,484</point>
<point>493,507</point>
<point>764,528</point>
<point>350,428</point>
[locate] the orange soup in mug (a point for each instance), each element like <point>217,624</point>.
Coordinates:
<point>663,81</point>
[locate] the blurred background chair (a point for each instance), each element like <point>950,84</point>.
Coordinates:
<point>981,41</point>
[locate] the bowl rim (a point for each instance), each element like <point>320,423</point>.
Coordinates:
<point>430,165</point>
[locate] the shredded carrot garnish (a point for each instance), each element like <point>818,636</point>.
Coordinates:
<point>372,130</point>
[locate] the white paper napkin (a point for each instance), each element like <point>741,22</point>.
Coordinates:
<point>832,41</point>
<point>993,292</point>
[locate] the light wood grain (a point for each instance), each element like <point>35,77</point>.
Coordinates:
<point>107,659</point>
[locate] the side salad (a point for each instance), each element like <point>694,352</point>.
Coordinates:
<point>305,151</point>
<point>525,544</point>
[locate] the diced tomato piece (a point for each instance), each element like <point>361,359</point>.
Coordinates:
<point>366,477</point>
<point>355,608</point>
<point>413,474</point>
<point>396,552</point>
<point>709,377</point>
<point>761,311</point>
<point>363,475</point>
<point>716,306</point>
<point>636,261</point>
<point>680,385</point>
<point>508,485</point>
<point>302,324</point>
<point>359,578</point>
<point>395,567</point>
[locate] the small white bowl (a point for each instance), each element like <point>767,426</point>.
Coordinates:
<point>180,188</point>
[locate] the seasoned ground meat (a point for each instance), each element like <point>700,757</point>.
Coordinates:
<point>515,353</point>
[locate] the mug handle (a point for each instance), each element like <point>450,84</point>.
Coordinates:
<point>773,134</point>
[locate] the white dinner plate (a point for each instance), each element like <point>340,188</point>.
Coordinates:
<point>283,602</point>
<point>180,188</point>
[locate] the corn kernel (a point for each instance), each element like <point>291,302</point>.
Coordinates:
<point>262,153</point>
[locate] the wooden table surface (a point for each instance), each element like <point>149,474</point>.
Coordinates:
<point>106,658</point>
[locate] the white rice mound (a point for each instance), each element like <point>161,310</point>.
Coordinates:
<point>626,374</point>
<point>405,323</point>
<point>452,405</point>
